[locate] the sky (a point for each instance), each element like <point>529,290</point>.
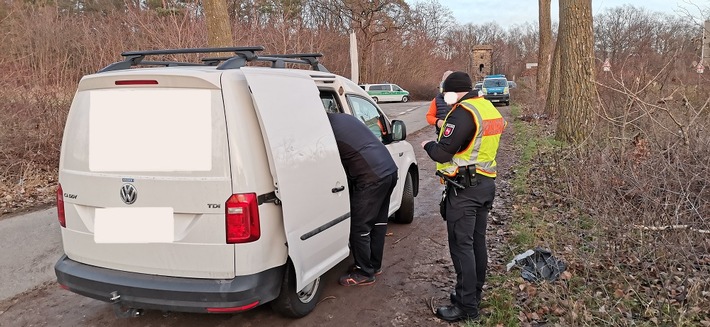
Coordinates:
<point>511,12</point>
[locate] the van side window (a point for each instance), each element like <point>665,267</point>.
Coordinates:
<point>396,88</point>
<point>330,103</point>
<point>368,114</point>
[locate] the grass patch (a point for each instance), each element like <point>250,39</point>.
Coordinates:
<point>499,307</point>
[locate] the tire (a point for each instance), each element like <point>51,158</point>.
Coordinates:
<point>292,303</point>
<point>405,214</point>
<point>405,99</point>
<point>507,103</point>
<point>375,99</point>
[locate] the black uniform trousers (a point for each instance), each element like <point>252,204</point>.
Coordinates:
<point>466,220</point>
<point>369,208</point>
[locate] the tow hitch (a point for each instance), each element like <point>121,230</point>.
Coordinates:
<point>122,312</point>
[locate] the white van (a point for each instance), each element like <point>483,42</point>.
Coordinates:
<point>386,92</point>
<point>213,186</point>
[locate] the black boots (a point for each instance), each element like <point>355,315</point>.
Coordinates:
<point>453,313</point>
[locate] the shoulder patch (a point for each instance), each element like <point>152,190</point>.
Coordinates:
<point>449,129</point>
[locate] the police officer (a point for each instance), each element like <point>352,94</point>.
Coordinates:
<point>372,176</point>
<point>438,108</point>
<point>465,153</point>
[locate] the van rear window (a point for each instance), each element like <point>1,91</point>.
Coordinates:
<point>150,130</point>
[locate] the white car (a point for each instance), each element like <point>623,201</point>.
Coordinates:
<point>386,92</point>
<point>212,187</point>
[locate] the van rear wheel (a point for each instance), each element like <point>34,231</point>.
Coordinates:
<point>405,214</point>
<point>375,99</point>
<point>293,303</point>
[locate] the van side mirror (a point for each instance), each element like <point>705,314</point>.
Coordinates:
<point>399,131</point>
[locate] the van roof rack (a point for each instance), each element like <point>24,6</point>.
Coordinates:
<point>277,61</point>
<point>240,59</point>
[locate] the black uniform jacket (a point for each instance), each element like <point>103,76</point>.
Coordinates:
<point>459,130</point>
<point>364,157</point>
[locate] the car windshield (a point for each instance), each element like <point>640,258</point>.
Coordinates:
<point>495,82</point>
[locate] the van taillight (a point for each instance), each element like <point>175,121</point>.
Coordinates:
<point>136,82</point>
<point>242,217</point>
<point>60,207</point>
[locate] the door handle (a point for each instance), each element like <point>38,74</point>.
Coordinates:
<point>401,154</point>
<point>338,189</point>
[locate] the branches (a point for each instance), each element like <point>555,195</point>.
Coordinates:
<point>672,227</point>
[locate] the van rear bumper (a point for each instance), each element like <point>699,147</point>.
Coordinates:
<point>143,291</point>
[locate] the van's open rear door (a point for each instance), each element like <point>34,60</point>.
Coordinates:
<point>304,161</point>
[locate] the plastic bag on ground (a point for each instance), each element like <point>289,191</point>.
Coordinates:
<point>538,265</point>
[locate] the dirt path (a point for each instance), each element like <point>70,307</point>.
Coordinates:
<point>417,273</point>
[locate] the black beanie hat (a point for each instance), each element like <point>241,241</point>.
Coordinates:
<point>458,82</point>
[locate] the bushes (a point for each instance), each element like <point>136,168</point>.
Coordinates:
<point>628,208</point>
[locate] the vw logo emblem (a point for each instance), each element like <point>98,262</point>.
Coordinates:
<point>129,193</point>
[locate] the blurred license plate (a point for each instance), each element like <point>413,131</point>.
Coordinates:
<point>134,225</point>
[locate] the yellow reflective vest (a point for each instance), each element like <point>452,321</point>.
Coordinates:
<point>484,146</point>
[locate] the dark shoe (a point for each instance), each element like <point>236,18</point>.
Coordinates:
<point>453,313</point>
<point>355,278</point>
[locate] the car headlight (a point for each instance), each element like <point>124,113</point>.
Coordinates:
<point>505,90</point>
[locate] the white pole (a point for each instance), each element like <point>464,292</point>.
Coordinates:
<point>354,67</point>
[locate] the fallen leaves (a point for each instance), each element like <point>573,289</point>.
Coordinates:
<point>15,197</point>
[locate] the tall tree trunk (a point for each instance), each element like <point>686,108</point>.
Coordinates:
<point>577,89</point>
<point>552,105</point>
<point>219,32</point>
<point>543,52</point>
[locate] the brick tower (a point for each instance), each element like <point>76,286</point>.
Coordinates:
<point>481,61</point>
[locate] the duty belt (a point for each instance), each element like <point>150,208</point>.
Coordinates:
<point>450,180</point>
<point>465,177</point>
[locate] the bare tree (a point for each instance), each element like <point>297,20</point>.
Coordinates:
<point>519,46</point>
<point>219,32</point>
<point>544,53</point>
<point>577,86</point>
<point>372,21</point>
<point>432,18</point>
<point>552,103</point>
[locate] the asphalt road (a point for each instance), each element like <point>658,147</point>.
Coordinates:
<point>412,113</point>
<point>31,243</point>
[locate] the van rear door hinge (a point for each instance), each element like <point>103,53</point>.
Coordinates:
<point>268,198</point>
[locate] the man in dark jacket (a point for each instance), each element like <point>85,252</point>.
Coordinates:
<point>372,176</point>
<point>438,108</point>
